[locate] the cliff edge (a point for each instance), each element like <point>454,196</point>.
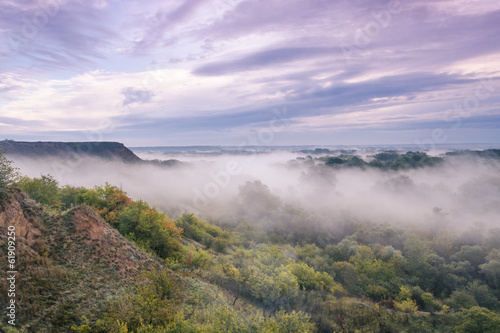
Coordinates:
<point>103,150</point>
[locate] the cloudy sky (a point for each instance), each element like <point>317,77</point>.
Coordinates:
<point>257,72</point>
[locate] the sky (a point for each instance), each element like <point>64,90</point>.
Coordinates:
<point>250,72</point>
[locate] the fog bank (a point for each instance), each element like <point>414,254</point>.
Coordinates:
<point>261,186</point>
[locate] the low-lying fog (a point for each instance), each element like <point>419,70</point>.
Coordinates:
<point>458,193</point>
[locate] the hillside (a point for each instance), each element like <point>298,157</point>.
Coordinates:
<point>74,269</point>
<point>68,264</point>
<point>72,150</point>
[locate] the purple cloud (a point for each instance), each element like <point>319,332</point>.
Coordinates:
<point>319,57</point>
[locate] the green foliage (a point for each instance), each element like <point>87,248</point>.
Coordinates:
<point>7,175</point>
<point>478,320</point>
<point>209,235</point>
<point>226,321</point>
<point>483,295</point>
<point>201,259</point>
<point>385,161</point>
<point>284,322</point>
<point>345,161</point>
<point>491,269</point>
<point>343,251</point>
<point>43,190</point>
<point>408,160</point>
<point>476,255</point>
<point>71,196</point>
<point>461,299</point>
<point>153,229</point>
<point>430,304</point>
<point>109,201</point>
<point>240,279</point>
<point>366,263</point>
<point>309,279</point>
<point>256,200</point>
<point>155,301</point>
<point>404,302</point>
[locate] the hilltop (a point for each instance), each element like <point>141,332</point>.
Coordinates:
<point>72,150</point>
<point>69,264</point>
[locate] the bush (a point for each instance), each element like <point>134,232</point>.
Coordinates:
<point>152,229</point>
<point>43,190</point>
<point>109,201</point>
<point>288,322</point>
<point>7,175</point>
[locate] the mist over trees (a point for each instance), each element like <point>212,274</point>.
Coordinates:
<point>380,243</point>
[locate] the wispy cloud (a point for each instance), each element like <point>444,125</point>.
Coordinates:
<point>220,65</point>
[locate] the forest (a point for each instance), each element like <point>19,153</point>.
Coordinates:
<point>261,264</point>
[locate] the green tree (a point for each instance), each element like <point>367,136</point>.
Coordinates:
<point>476,255</point>
<point>419,261</point>
<point>461,299</point>
<point>256,200</point>
<point>151,229</point>
<point>156,300</point>
<point>43,190</point>
<point>8,174</point>
<point>478,320</point>
<point>129,219</point>
<point>343,250</point>
<point>483,295</point>
<point>275,289</point>
<point>491,269</point>
<point>71,196</point>
<point>108,200</point>
<point>404,302</point>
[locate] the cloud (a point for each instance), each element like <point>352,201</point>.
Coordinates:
<point>263,59</point>
<point>136,96</point>
<point>159,24</point>
<point>221,64</point>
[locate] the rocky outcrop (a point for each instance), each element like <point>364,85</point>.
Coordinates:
<point>25,224</point>
<point>69,264</point>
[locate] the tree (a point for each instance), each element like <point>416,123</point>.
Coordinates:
<point>343,250</point>
<point>150,229</point>
<point>43,190</point>
<point>478,320</point>
<point>492,268</point>
<point>275,289</point>
<point>156,299</point>
<point>71,196</point>
<point>419,261</point>
<point>474,254</point>
<point>404,302</point>
<point>8,173</point>
<point>256,200</point>
<point>235,281</point>
<point>129,219</point>
<point>483,295</point>
<point>109,201</point>
<point>461,299</point>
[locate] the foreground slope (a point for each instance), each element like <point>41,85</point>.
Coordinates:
<point>68,264</point>
<point>74,265</point>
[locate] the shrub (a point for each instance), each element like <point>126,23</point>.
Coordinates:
<point>43,190</point>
